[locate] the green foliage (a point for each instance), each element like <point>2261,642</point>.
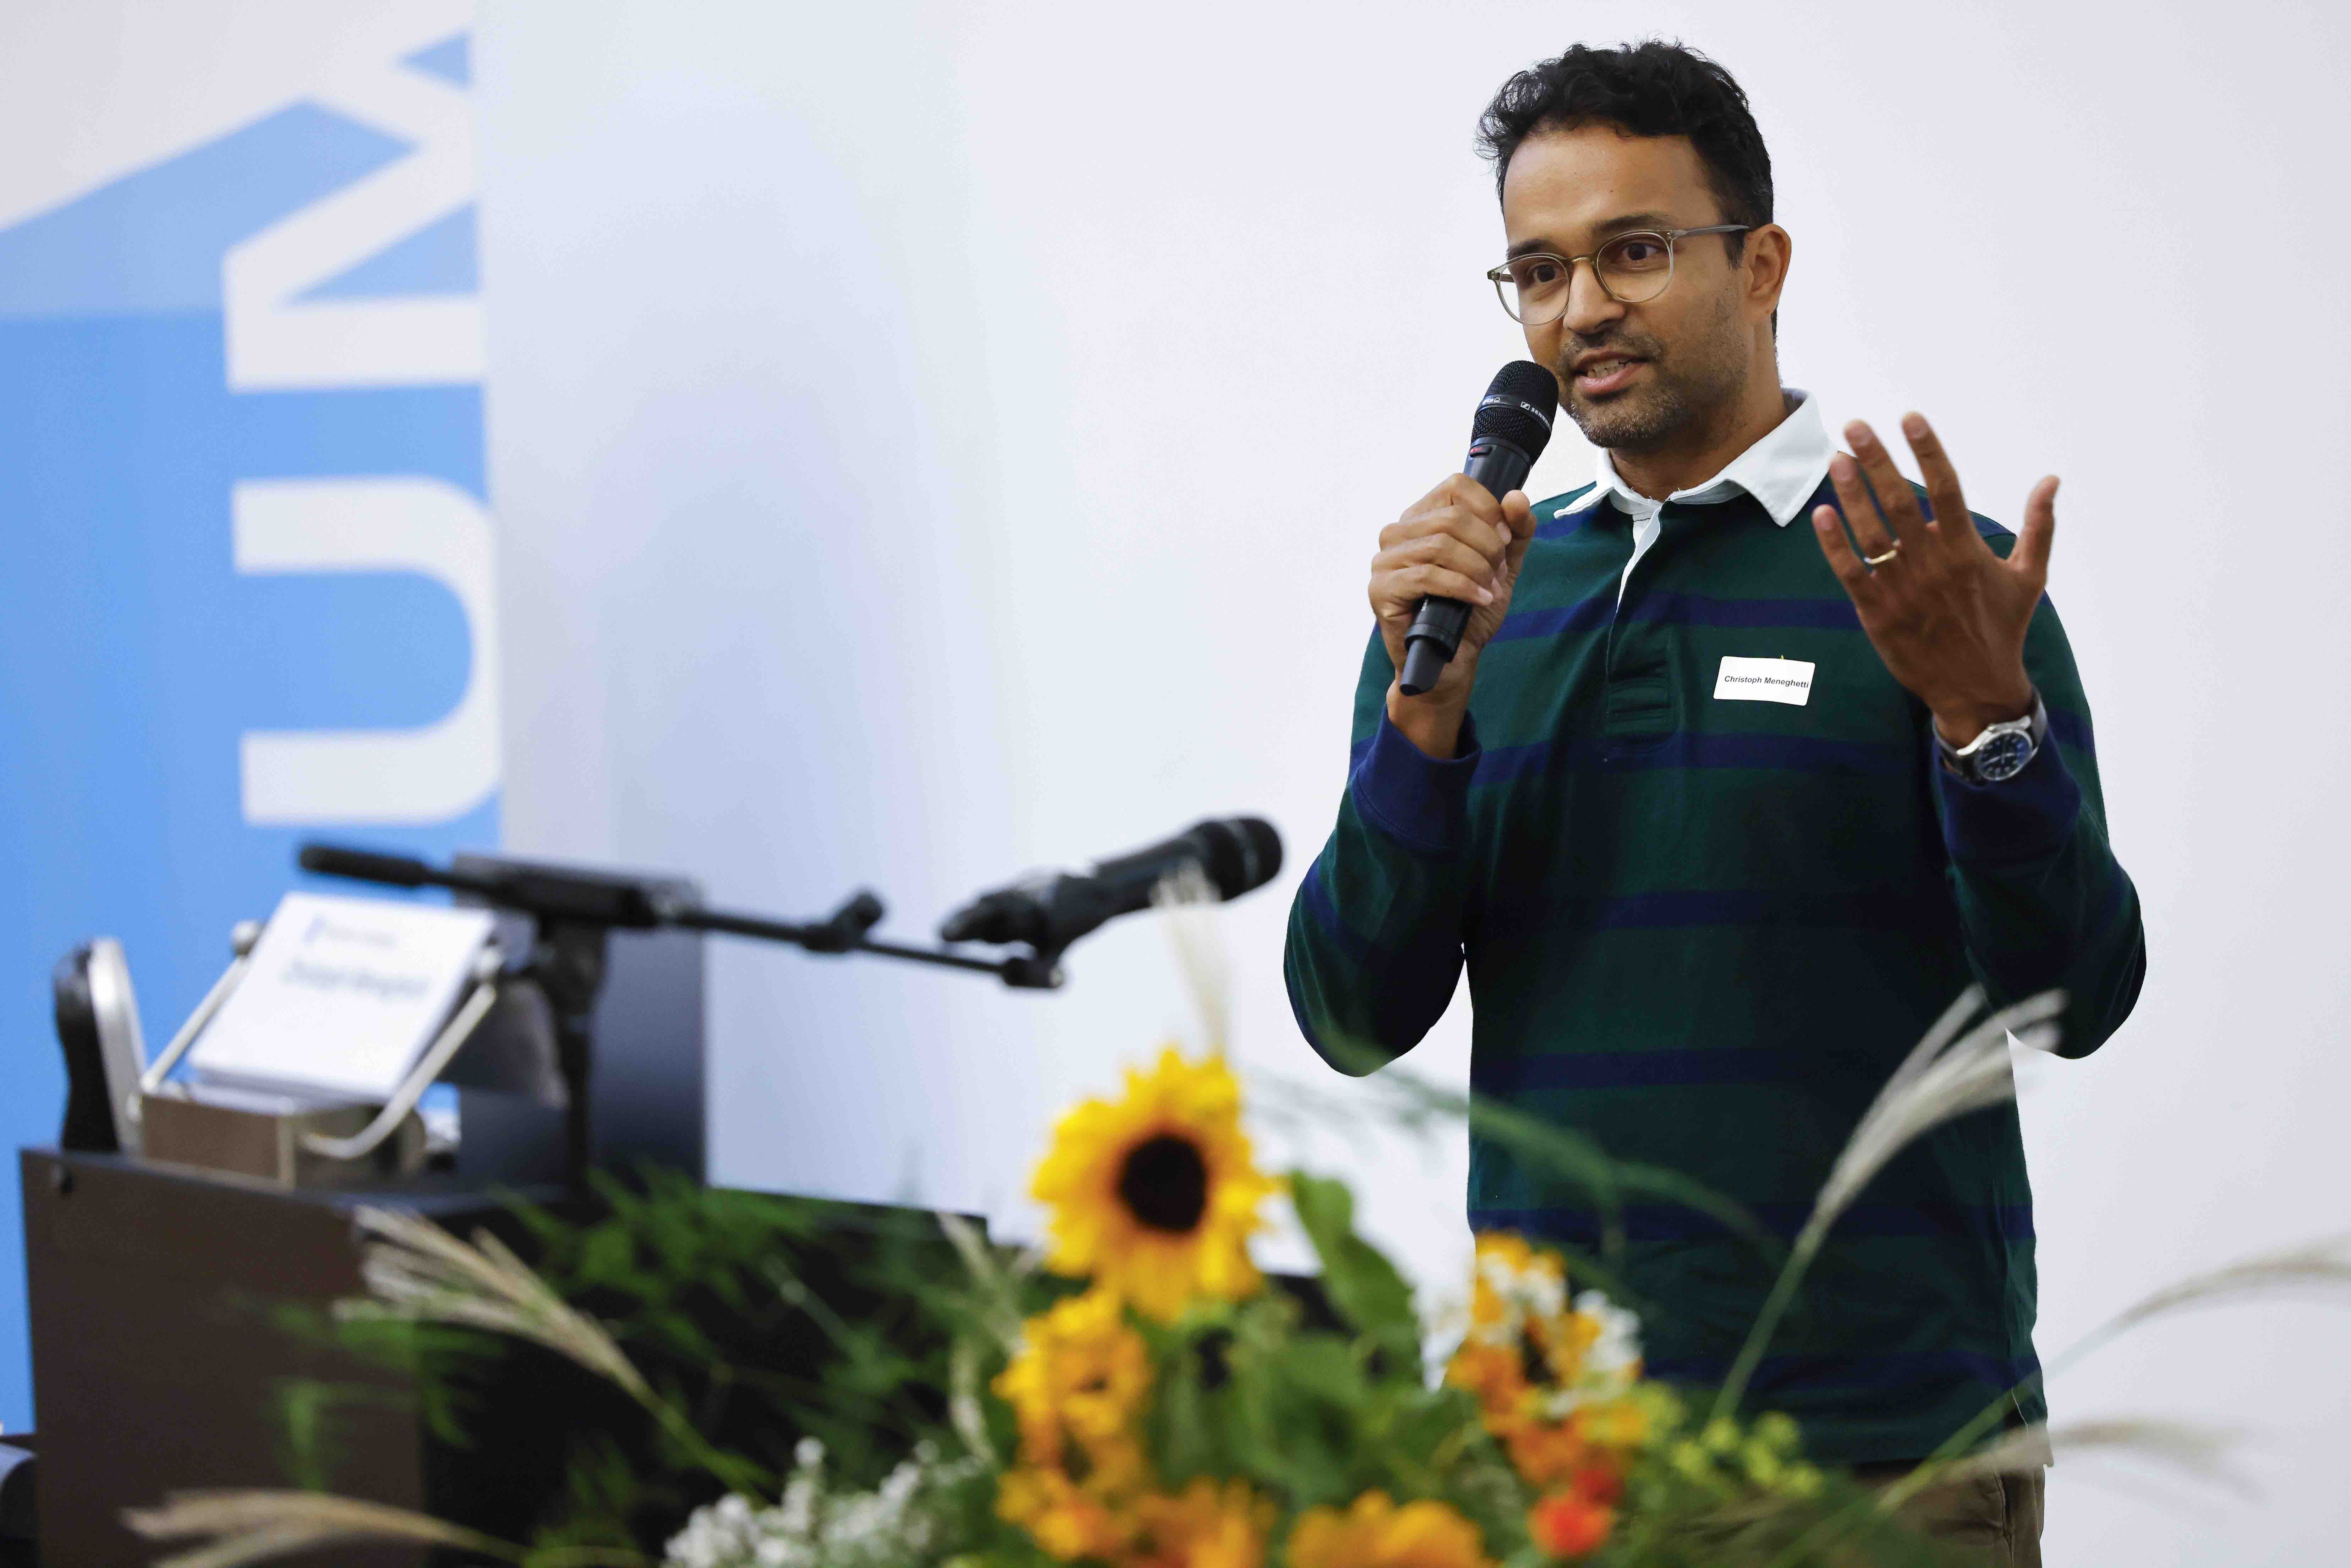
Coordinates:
<point>1316,1415</point>
<point>305,1446</point>
<point>604,1489</point>
<point>1364,1287</point>
<point>438,1368</point>
<point>761,1321</point>
<point>768,1318</point>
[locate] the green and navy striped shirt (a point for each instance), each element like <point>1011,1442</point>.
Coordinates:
<point>1703,932</point>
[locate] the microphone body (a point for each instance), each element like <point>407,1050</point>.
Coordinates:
<point>1048,913</point>
<point>1512,427</point>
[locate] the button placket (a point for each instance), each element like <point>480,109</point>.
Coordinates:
<point>1639,709</point>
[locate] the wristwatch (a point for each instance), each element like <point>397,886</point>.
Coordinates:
<point>2000,751</point>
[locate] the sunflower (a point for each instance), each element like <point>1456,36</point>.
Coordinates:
<point>1081,1374</point>
<point>1156,1196</point>
<point>1076,1389</point>
<point>1375,1533</point>
<point>1204,1526</point>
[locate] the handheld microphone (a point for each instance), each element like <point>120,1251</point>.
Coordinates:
<point>1512,427</point>
<point>1048,913</point>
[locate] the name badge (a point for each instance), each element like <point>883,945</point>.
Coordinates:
<point>1786,681</point>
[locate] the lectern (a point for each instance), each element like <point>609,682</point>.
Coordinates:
<point>158,1358</point>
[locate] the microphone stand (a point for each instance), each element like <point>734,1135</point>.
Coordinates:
<point>844,931</point>
<point>576,911</point>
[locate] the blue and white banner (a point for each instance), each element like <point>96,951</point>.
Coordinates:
<point>248,588</point>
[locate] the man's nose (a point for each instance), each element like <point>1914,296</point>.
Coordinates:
<point>1590,310</point>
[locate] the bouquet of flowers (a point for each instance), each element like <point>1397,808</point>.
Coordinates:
<point>1135,1394</point>
<point>1179,1412</point>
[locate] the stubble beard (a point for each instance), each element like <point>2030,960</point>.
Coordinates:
<point>1687,387</point>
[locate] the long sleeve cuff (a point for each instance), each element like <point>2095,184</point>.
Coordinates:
<point>1421,802</point>
<point>2019,819</point>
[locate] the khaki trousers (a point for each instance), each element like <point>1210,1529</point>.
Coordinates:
<point>1994,1521</point>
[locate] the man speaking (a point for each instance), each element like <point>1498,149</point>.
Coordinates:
<point>1752,757</point>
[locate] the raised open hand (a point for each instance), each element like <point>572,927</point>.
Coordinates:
<point>1947,615</point>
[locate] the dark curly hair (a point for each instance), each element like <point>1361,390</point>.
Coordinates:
<point>1648,88</point>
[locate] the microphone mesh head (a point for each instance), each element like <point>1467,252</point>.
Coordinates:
<point>1519,407</point>
<point>1244,852</point>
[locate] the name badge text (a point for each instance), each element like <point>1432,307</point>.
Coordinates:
<point>1786,681</point>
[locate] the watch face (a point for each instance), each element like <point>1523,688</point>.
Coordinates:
<point>2003,757</point>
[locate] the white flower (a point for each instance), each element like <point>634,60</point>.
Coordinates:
<point>1615,1355</point>
<point>811,1527</point>
<point>1537,1292</point>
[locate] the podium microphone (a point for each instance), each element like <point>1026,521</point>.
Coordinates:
<point>1048,913</point>
<point>1512,427</point>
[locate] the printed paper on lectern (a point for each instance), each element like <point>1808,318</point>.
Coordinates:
<point>343,995</point>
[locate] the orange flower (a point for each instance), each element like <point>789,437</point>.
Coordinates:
<point>1598,1483</point>
<point>1064,1518</point>
<point>1570,1524</point>
<point>1375,1533</point>
<point>1495,1375</point>
<point>1557,1375</point>
<point>1546,1452</point>
<point>1204,1526</point>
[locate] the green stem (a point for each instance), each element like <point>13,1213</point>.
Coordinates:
<point>731,1470</point>
<point>1767,1322</point>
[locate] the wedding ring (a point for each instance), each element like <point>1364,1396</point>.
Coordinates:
<point>1891,551</point>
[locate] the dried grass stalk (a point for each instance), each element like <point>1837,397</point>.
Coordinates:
<point>1189,900</point>
<point>2322,1264</point>
<point>418,1272</point>
<point>1938,1082</point>
<point>2197,1450</point>
<point>996,1282</point>
<point>255,1526</point>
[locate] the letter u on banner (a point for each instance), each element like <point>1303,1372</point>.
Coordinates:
<point>429,774</point>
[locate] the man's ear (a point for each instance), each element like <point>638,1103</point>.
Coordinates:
<point>1769,250</point>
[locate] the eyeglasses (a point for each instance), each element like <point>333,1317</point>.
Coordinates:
<point>1632,268</point>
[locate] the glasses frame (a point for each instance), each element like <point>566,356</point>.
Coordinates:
<point>1504,287</point>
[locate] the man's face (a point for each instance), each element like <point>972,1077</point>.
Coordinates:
<point>1632,376</point>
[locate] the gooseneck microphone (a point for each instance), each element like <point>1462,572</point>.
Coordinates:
<point>1048,913</point>
<point>1512,427</point>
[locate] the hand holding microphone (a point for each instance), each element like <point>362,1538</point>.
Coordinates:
<point>1441,581</point>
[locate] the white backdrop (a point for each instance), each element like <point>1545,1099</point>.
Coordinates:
<point>933,442</point>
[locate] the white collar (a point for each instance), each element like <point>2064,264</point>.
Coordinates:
<point>1782,470</point>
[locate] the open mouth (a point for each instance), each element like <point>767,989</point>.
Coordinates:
<point>1612,373</point>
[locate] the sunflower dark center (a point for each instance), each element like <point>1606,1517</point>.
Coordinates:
<point>1165,1183</point>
